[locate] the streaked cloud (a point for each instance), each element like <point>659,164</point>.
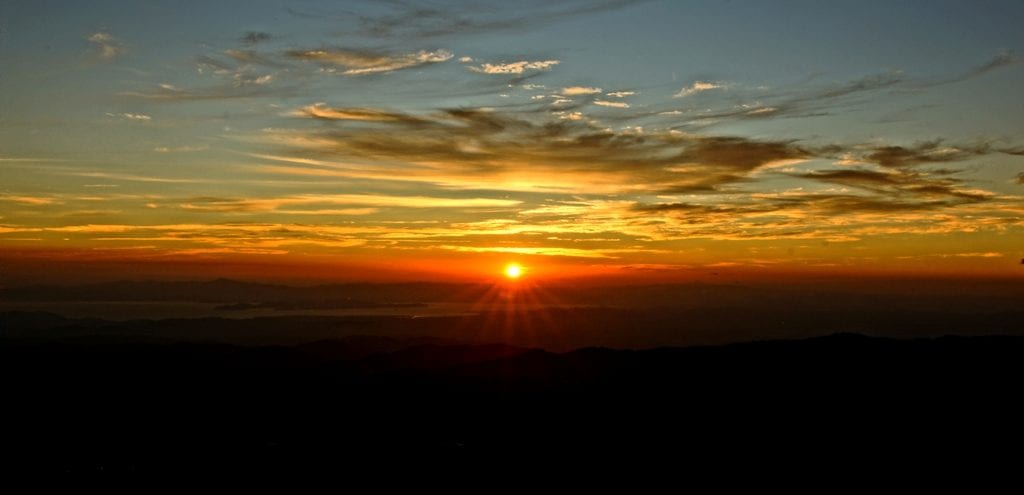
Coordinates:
<point>515,67</point>
<point>414,21</point>
<point>989,254</point>
<point>131,116</point>
<point>270,204</point>
<point>171,93</point>
<point>180,149</point>
<point>250,57</point>
<point>536,251</point>
<point>362,62</point>
<point>490,149</point>
<point>1003,58</point>
<point>923,153</point>
<point>322,111</point>
<point>999,60</point>
<point>29,200</point>
<point>133,177</point>
<point>16,159</point>
<point>613,104</point>
<point>697,87</point>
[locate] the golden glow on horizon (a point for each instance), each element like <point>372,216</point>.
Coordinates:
<point>513,271</point>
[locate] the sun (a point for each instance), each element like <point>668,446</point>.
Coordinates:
<point>513,271</point>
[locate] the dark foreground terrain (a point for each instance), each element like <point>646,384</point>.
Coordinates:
<point>107,406</point>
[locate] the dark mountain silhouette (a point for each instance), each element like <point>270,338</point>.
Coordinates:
<point>558,329</point>
<point>844,294</point>
<point>80,407</point>
<point>233,291</point>
<point>814,377</point>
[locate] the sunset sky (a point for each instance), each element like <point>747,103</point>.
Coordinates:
<point>366,140</point>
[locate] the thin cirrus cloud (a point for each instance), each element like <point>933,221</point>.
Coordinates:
<point>514,67</point>
<point>361,62</point>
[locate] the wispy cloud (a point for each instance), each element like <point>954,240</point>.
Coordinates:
<point>515,67</point>
<point>107,47</point>
<point>414,21</point>
<point>171,93</point>
<point>913,187</point>
<point>924,153</point>
<point>141,117</point>
<point>252,57</point>
<point>29,200</point>
<point>488,149</point>
<point>477,149</point>
<point>999,60</point>
<point>180,149</point>
<point>867,83</point>
<point>133,177</point>
<point>789,103</point>
<point>370,200</point>
<point>322,111</point>
<point>362,62</point>
<point>535,250</point>
<point>989,254</point>
<point>1004,58</point>
<point>697,87</point>
<point>613,104</point>
<point>27,159</point>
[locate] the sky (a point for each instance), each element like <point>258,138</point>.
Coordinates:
<point>406,140</point>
